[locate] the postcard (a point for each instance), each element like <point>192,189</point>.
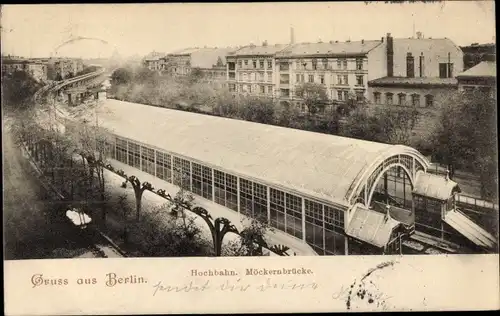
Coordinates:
<point>249,157</point>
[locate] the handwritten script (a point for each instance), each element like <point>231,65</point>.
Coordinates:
<point>232,286</point>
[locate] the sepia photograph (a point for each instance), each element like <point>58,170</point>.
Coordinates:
<point>287,130</point>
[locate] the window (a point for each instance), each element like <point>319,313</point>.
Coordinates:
<point>360,96</point>
<point>253,200</point>
<point>239,63</point>
<point>245,76</point>
<point>322,79</point>
<point>388,98</point>
<point>297,78</point>
<point>325,63</point>
<point>269,77</point>
<point>254,64</point>
<point>342,79</point>
<point>376,97</point>
<point>270,89</point>
<point>246,62</point>
<point>314,225</point>
<point>334,228</point>
<point>421,64</point>
<point>262,89</point>
<point>359,63</point>
<point>226,192</point>
<point>202,181</point>
<point>415,100</point>
<point>410,66</point>
<point>445,70</point>
<point>284,66</point>
<point>359,80</point>
<point>344,63</point>
<point>164,166</point>
<point>314,64</point>
<point>311,78</point>
<point>261,64</point>
<point>277,210</point>
<point>252,76</point>
<point>339,64</point>
<point>429,100</point>
<point>269,64</point>
<point>182,173</point>
<point>284,78</point>
<point>121,150</point>
<point>134,155</point>
<point>343,95</point>
<point>148,160</point>
<point>285,92</point>
<point>402,99</point>
<point>293,213</point>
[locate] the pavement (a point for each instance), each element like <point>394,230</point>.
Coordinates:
<point>32,230</point>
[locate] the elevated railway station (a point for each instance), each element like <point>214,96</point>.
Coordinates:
<point>329,192</point>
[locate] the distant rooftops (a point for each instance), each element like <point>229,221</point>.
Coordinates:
<point>329,48</point>
<point>483,69</point>
<point>401,81</point>
<point>254,50</point>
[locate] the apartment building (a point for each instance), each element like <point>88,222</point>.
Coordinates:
<point>66,67</point>
<point>153,60</point>
<point>211,61</point>
<point>418,71</point>
<point>36,68</point>
<point>483,77</point>
<point>251,70</point>
<point>343,68</point>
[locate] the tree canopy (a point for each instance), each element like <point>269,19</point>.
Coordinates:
<point>314,96</point>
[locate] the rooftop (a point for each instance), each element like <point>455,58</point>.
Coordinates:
<point>434,186</point>
<point>423,81</point>
<point>483,69</point>
<point>329,48</point>
<point>253,50</point>
<point>322,166</point>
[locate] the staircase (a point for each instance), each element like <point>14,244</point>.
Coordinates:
<point>465,226</point>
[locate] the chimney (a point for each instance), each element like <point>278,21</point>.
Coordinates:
<point>264,43</point>
<point>447,175</point>
<point>292,36</point>
<point>382,39</point>
<point>390,56</point>
<point>362,41</point>
<point>419,35</point>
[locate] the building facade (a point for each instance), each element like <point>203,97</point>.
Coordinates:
<point>476,53</point>
<point>481,77</point>
<point>342,68</point>
<point>67,67</point>
<point>35,68</point>
<point>251,70</point>
<point>419,71</point>
<point>152,61</point>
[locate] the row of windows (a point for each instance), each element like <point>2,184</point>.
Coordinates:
<point>402,99</point>
<point>255,64</point>
<point>259,77</point>
<point>252,88</point>
<point>324,225</point>
<point>323,64</point>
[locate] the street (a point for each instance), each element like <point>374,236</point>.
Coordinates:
<point>31,230</point>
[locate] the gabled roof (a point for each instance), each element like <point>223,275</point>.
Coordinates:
<point>253,50</point>
<point>207,57</point>
<point>444,45</point>
<point>154,56</point>
<point>434,186</point>
<point>370,226</point>
<point>398,81</point>
<point>329,48</point>
<point>483,69</point>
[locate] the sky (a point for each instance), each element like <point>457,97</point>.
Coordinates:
<point>37,30</point>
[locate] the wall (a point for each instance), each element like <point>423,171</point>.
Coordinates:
<point>435,51</point>
<point>377,62</point>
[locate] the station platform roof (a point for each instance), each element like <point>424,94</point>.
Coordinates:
<point>321,166</point>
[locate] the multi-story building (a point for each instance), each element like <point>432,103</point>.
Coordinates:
<point>342,68</point>
<point>35,68</point>
<point>211,61</point>
<point>482,77</point>
<point>153,60</point>
<point>66,67</point>
<point>418,71</point>
<point>251,70</point>
<point>476,53</point>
